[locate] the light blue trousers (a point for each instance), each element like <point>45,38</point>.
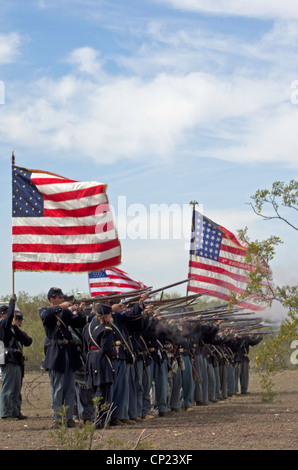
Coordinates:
<point>120,391</point>
<point>201,385</point>
<point>135,402</point>
<point>182,382</point>
<point>242,375</point>
<point>11,390</point>
<point>159,374</point>
<point>231,380</point>
<point>62,391</point>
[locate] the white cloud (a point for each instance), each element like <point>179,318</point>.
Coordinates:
<point>254,9</point>
<point>174,49</point>
<point>131,117</point>
<point>9,47</point>
<point>87,60</point>
<point>270,137</point>
<point>241,115</point>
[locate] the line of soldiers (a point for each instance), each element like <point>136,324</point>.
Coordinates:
<point>115,363</point>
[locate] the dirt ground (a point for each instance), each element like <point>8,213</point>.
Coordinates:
<point>242,422</point>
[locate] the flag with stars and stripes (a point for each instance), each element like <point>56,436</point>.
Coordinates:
<point>217,262</point>
<point>112,281</point>
<point>60,224</point>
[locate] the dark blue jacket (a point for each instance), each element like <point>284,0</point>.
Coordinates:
<point>13,337</point>
<point>55,322</point>
<point>156,334</point>
<point>123,323</point>
<point>202,335</point>
<point>242,347</point>
<point>100,350</point>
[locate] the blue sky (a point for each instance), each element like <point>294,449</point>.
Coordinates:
<point>166,101</point>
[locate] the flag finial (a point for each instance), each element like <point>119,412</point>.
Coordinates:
<point>12,158</point>
<point>193,204</point>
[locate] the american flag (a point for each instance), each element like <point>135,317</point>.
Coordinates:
<point>60,224</point>
<point>217,262</point>
<point>112,281</point>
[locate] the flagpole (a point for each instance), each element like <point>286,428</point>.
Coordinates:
<point>13,272</point>
<point>193,204</point>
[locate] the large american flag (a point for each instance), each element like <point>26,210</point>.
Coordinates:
<point>112,281</point>
<point>60,224</point>
<point>217,262</point>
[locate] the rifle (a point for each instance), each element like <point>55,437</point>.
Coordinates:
<point>244,321</point>
<point>257,333</point>
<point>71,299</point>
<point>218,310</point>
<point>131,296</point>
<point>115,298</point>
<point>159,290</point>
<point>177,314</point>
<point>225,321</point>
<point>201,315</point>
<point>167,304</point>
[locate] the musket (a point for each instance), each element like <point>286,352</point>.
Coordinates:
<point>222,307</point>
<point>178,314</point>
<point>245,320</point>
<point>223,311</point>
<point>175,314</point>
<point>159,290</point>
<point>241,327</point>
<point>116,297</point>
<point>231,316</point>
<point>205,315</point>
<point>219,310</point>
<point>237,328</point>
<point>130,296</point>
<point>170,303</point>
<point>225,321</point>
<point>257,333</point>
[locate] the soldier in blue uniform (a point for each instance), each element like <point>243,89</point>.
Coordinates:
<point>146,398</point>
<point>121,363</point>
<point>226,345</point>
<point>124,359</point>
<point>230,344</point>
<point>200,363</point>
<point>100,349</point>
<point>183,379</point>
<point>156,335</point>
<point>62,358</point>
<point>210,332</point>
<point>83,397</point>
<point>242,360</point>
<point>139,372</point>
<point>223,363</point>
<point>13,370</point>
<point>123,391</point>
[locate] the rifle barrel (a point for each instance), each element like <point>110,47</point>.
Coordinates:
<point>162,288</point>
<point>111,298</point>
<point>208,312</point>
<point>174,301</point>
<point>133,295</point>
<point>257,333</point>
